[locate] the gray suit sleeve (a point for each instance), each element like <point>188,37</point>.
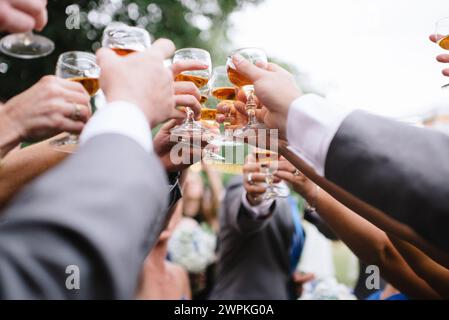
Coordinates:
<point>235,213</point>
<point>101,211</point>
<point>400,169</point>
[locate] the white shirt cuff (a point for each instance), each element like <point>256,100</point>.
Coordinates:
<point>311,126</point>
<point>120,117</point>
<point>258,211</point>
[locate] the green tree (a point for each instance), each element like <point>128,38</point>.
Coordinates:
<point>189,23</point>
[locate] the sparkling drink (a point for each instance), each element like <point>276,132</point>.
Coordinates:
<point>197,80</point>
<point>92,85</point>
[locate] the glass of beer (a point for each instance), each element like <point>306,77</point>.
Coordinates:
<point>268,162</point>
<point>225,92</point>
<point>254,55</point>
<point>79,67</point>
<point>442,36</point>
<point>26,45</point>
<point>124,39</point>
<point>200,78</point>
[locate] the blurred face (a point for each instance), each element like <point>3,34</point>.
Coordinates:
<point>192,194</point>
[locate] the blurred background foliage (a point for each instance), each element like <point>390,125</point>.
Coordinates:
<point>189,23</point>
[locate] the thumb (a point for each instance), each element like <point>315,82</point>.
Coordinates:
<point>246,68</point>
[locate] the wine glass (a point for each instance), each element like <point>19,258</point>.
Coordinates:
<point>442,36</point>
<point>200,78</point>
<point>124,39</point>
<point>26,45</point>
<point>268,161</point>
<point>79,67</point>
<point>225,92</point>
<point>210,127</point>
<point>254,55</point>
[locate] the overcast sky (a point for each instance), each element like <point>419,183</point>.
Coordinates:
<point>372,54</point>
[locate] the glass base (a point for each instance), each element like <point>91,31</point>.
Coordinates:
<point>188,129</point>
<point>250,130</point>
<point>26,46</point>
<point>67,144</point>
<point>276,191</point>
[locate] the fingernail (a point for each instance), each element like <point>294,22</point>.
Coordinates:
<point>238,58</point>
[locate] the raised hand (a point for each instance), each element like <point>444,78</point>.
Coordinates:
<point>22,15</point>
<point>276,89</point>
<point>51,106</point>
<point>443,58</point>
<point>141,79</point>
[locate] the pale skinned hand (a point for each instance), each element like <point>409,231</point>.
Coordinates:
<point>443,58</point>
<point>257,188</point>
<point>300,183</point>
<point>187,94</point>
<point>23,15</point>
<point>47,108</point>
<point>299,280</point>
<point>276,89</point>
<point>141,79</point>
<point>163,147</point>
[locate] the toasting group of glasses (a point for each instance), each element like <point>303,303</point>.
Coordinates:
<point>221,82</point>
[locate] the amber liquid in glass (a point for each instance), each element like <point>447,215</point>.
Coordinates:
<point>237,79</point>
<point>444,43</point>
<point>197,80</point>
<point>92,85</point>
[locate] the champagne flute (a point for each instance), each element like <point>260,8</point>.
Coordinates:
<point>253,55</point>
<point>26,45</point>
<point>79,67</point>
<point>124,39</point>
<point>200,78</point>
<point>442,36</point>
<point>225,92</point>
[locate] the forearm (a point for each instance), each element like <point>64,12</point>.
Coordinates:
<point>433,273</point>
<point>9,133</point>
<point>372,246</point>
<point>373,215</point>
<point>20,167</point>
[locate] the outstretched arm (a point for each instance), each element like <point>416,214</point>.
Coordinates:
<point>367,241</point>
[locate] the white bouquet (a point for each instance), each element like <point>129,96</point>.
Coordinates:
<point>192,246</point>
<point>326,289</point>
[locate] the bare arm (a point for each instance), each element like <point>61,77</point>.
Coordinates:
<point>367,241</point>
<point>436,275</point>
<point>21,166</point>
<point>373,215</point>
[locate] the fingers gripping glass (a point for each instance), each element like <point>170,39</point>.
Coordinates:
<point>442,37</point>
<point>79,67</point>
<point>253,55</point>
<point>26,45</point>
<point>200,78</point>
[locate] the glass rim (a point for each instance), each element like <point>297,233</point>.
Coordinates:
<point>246,48</point>
<point>192,49</point>
<point>83,55</point>
<point>443,21</point>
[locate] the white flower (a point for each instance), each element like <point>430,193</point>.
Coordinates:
<point>191,246</point>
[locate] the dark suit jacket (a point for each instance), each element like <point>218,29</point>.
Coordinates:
<point>101,210</point>
<point>400,169</point>
<point>253,254</point>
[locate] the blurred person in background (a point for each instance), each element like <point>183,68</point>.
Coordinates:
<point>201,202</point>
<point>260,242</point>
<point>162,279</point>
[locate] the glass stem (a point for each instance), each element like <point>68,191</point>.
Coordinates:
<point>251,108</point>
<point>190,114</point>
<point>28,38</point>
